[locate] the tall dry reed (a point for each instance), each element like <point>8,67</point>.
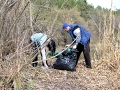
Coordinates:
<point>108,48</point>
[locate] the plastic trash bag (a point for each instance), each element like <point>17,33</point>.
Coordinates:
<point>67,61</point>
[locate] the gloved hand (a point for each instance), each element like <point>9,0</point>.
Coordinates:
<point>67,45</point>
<point>74,46</point>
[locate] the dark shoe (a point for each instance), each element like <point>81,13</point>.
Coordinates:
<point>34,64</point>
<point>88,66</point>
<point>74,70</point>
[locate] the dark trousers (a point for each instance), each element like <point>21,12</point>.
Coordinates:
<point>86,53</point>
<point>34,64</point>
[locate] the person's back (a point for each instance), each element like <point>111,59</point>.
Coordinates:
<point>39,38</point>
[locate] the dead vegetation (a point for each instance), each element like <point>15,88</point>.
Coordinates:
<point>16,72</point>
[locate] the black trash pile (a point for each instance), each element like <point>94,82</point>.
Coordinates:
<point>67,61</point>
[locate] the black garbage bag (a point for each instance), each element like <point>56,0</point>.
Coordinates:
<point>67,60</point>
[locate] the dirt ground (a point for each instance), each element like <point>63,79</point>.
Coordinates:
<point>97,78</point>
<point>102,76</point>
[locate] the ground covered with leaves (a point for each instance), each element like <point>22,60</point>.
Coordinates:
<point>100,77</point>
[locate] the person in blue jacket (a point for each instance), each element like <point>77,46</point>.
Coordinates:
<point>82,37</point>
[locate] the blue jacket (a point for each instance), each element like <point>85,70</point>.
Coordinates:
<point>85,35</point>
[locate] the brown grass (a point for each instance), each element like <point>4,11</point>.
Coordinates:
<point>16,72</point>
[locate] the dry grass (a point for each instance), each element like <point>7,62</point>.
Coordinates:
<point>38,78</point>
<point>16,72</point>
<point>100,77</point>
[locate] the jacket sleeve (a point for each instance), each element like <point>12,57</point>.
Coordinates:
<point>78,35</point>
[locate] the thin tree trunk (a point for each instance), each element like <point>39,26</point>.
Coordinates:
<point>31,24</point>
